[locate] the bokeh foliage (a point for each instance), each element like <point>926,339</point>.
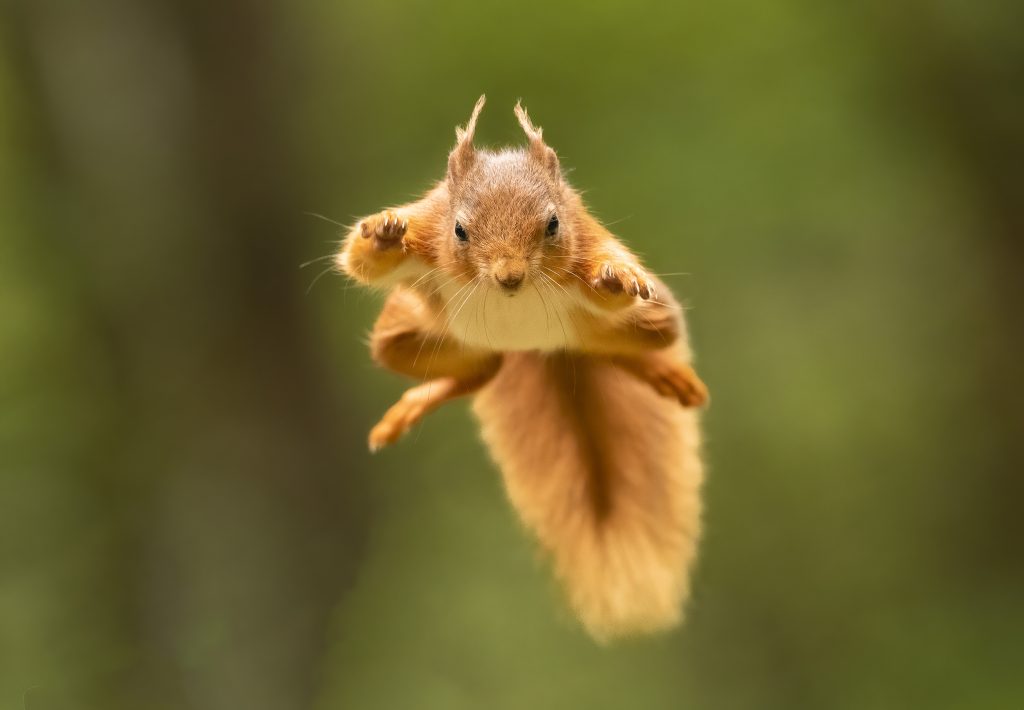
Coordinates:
<point>188,515</point>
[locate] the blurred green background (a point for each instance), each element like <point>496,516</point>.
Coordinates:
<point>189,517</point>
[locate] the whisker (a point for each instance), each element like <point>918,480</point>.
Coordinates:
<point>582,281</point>
<point>565,347</point>
<point>427,275</point>
<point>465,335</point>
<point>487,333</point>
<point>448,281</point>
<point>547,316</point>
<point>560,286</point>
<point>326,219</point>
<point>444,332</point>
<point>565,336</point>
<point>318,277</point>
<point>620,219</point>
<point>448,325</point>
<point>313,261</point>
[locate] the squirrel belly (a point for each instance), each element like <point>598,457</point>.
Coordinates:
<point>614,500</point>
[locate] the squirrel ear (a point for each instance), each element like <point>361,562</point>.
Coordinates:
<point>460,160</point>
<point>538,148</point>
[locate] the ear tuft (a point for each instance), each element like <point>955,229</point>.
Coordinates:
<point>539,150</point>
<point>532,132</point>
<point>461,159</point>
<point>466,134</point>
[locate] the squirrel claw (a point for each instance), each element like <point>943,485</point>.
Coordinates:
<point>385,228</point>
<point>623,278</point>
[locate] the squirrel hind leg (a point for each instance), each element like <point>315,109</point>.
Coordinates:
<point>419,401</point>
<point>415,403</point>
<point>403,342</point>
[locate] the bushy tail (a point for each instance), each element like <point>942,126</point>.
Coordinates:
<point>606,473</point>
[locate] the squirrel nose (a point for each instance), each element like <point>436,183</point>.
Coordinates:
<point>510,280</point>
<point>510,273</point>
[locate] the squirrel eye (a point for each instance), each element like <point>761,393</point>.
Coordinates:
<point>460,232</point>
<point>552,229</point>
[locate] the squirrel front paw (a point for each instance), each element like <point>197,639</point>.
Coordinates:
<point>374,247</point>
<point>617,277</point>
<point>386,229</point>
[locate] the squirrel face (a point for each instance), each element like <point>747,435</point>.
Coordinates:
<point>508,217</point>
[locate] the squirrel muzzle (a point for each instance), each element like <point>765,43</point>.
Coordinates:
<point>509,273</point>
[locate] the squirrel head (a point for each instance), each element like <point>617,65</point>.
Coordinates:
<point>509,217</point>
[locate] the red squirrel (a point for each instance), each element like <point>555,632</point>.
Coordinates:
<point>503,286</point>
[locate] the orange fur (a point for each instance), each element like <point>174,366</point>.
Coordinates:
<point>606,474</point>
<point>502,284</point>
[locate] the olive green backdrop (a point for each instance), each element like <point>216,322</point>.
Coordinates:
<point>189,517</point>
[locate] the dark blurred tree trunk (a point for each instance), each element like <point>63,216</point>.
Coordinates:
<point>965,74</point>
<point>161,128</point>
